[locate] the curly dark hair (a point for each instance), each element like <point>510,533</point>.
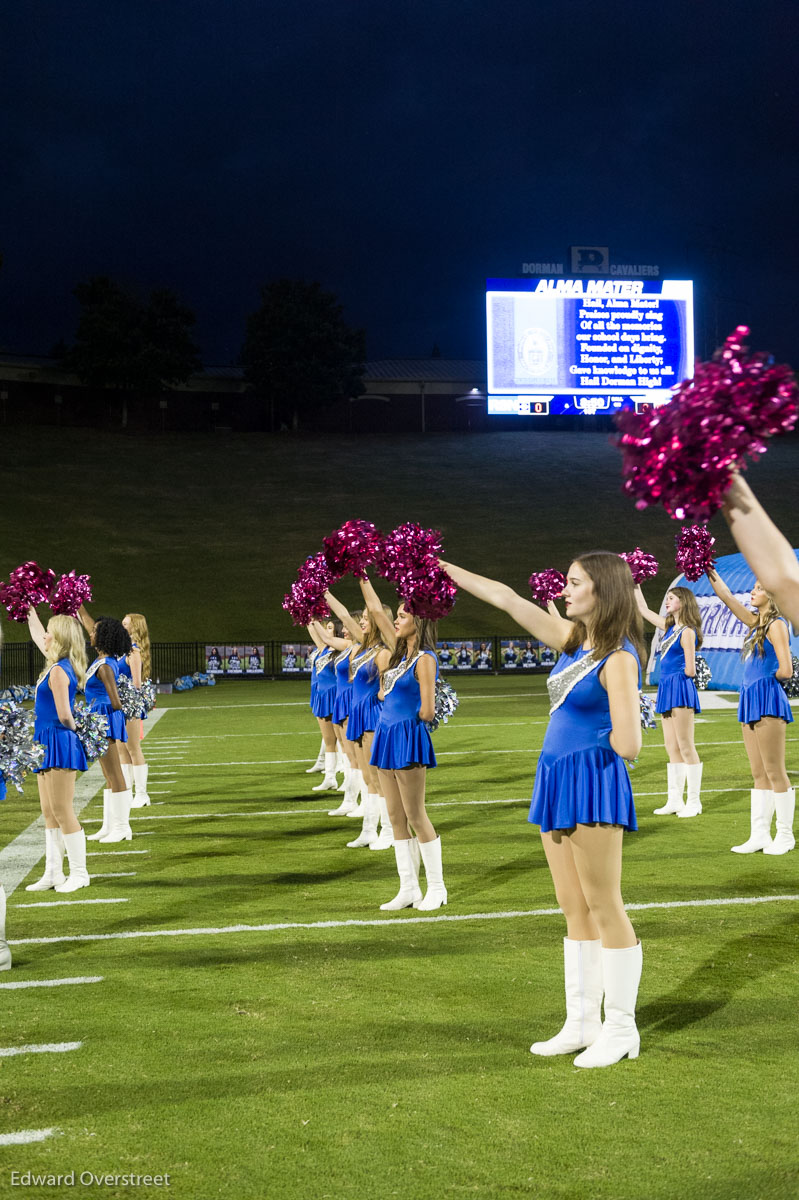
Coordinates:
<point>111,637</point>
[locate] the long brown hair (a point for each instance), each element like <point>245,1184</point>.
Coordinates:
<point>755,640</point>
<point>690,616</point>
<point>140,634</point>
<point>373,636</point>
<point>426,639</point>
<point>616,614</point>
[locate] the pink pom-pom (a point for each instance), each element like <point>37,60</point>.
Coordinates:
<point>683,454</point>
<point>27,586</point>
<point>405,548</point>
<point>305,600</point>
<point>546,585</point>
<point>643,566</point>
<point>427,590</point>
<point>695,551</point>
<point>70,592</point>
<point>352,548</point>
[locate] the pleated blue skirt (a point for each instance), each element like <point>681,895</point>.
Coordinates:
<point>116,721</point>
<point>62,749</point>
<point>364,716</point>
<point>402,744</point>
<point>763,698</point>
<point>342,706</point>
<point>586,788</point>
<point>677,691</point>
<point>323,700</point>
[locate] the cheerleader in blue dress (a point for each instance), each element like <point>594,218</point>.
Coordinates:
<point>402,751</point>
<point>345,646</point>
<point>5,952</point>
<point>111,641</point>
<point>582,798</point>
<point>64,649</point>
<point>764,713</point>
<point>677,698</point>
<point>136,667</point>
<point>323,696</point>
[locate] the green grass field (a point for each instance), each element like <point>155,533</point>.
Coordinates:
<point>261,1030</point>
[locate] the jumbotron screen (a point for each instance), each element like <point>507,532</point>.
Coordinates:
<point>585,346</point>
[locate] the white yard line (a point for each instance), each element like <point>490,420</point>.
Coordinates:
<point>37,983</point>
<point>25,1137</point>
<point>212,931</point>
<point>44,1048</point>
<point>65,903</point>
<point>108,875</point>
<point>96,853</point>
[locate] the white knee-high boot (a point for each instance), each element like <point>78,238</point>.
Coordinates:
<point>319,765</point>
<point>127,773</point>
<point>342,768</point>
<point>329,783</point>
<point>363,794</point>
<point>675,773</point>
<point>106,825</point>
<point>53,862</point>
<point>78,877</point>
<point>119,830</point>
<point>621,974</point>
<point>141,798</point>
<point>436,893</point>
<point>761,810</point>
<point>385,838</point>
<point>693,804</point>
<point>408,859</point>
<point>784,803</point>
<point>5,952</point>
<point>368,834</point>
<point>350,801</point>
<point>582,972</point>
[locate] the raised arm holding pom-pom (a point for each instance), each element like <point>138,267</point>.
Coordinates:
<point>767,551</point>
<point>582,797</point>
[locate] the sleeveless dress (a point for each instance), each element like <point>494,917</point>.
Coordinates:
<point>62,748</point>
<point>401,738</point>
<point>676,689</point>
<point>97,699</point>
<point>323,695</point>
<point>124,669</point>
<point>580,779</point>
<point>365,707</point>
<point>761,694</point>
<point>311,661</point>
<point>343,702</point>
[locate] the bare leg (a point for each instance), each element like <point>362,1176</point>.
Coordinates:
<point>682,720</point>
<point>770,735</point>
<point>131,751</point>
<point>61,789</point>
<point>373,778</point>
<point>580,925</point>
<point>328,735</point>
<point>390,789</point>
<point>756,765</point>
<point>597,859</point>
<point>112,769</point>
<point>411,783</point>
<point>671,739</point>
<point>42,781</point>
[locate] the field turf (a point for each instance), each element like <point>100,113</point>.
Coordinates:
<point>261,1030</point>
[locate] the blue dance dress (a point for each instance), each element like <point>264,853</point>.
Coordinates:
<point>124,669</point>
<point>676,689</point>
<point>761,694</point>
<point>580,779</point>
<point>323,695</point>
<point>401,738</point>
<point>343,702</point>
<point>365,706</point>
<point>98,700</point>
<point>62,747</point>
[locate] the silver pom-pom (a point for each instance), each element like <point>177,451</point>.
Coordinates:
<point>148,695</point>
<point>702,674</point>
<point>92,731</point>
<point>791,686</point>
<point>446,703</point>
<point>647,712</point>
<point>129,697</point>
<point>19,753</point>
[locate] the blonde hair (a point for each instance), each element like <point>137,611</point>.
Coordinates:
<point>690,615</point>
<point>67,641</point>
<point>755,640</point>
<point>141,636</point>
<point>616,614</point>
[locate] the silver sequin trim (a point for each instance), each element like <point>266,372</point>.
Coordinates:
<point>561,684</point>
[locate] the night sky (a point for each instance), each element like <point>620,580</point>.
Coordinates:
<point>399,153</point>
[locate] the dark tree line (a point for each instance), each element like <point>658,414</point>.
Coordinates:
<point>299,354</point>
